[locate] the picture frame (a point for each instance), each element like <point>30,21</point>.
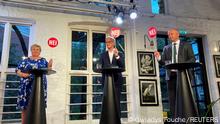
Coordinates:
<point>146,63</point>
<point>217,65</point>
<point>148,92</point>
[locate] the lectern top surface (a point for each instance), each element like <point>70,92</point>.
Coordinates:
<point>43,70</point>
<point>182,65</point>
<point>107,69</point>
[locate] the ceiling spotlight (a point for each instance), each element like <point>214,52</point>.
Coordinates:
<point>119,18</point>
<point>133,14</point>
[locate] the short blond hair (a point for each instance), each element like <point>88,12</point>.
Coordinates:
<point>36,45</point>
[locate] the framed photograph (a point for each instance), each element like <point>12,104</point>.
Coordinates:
<point>217,64</point>
<point>146,63</point>
<point>148,92</point>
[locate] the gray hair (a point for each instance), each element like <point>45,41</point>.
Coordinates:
<point>36,45</point>
<point>111,38</point>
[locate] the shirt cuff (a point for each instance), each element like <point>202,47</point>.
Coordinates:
<point>117,57</point>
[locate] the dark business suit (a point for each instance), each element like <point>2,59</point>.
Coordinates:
<point>185,55</point>
<point>105,62</point>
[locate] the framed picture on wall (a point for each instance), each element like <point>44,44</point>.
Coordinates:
<point>217,64</point>
<point>146,63</point>
<point>148,92</point>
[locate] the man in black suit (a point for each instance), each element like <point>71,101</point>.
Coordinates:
<point>177,52</point>
<point>112,57</point>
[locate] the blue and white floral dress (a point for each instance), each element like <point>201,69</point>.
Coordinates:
<point>25,87</point>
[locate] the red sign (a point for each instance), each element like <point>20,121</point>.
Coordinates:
<point>115,32</point>
<point>52,42</point>
<point>152,32</point>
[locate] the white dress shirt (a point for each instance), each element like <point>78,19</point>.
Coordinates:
<point>110,53</point>
<point>177,50</point>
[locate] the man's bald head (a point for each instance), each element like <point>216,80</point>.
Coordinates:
<point>173,34</point>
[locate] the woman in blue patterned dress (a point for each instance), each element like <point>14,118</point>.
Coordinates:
<point>27,79</point>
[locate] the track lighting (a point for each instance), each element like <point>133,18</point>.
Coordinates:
<point>133,14</point>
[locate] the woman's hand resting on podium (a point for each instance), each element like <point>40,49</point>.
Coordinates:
<point>23,75</point>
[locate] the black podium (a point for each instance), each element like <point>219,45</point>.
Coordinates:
<point>36,113</point>
<point>185,105</point>
<point>110,113</point>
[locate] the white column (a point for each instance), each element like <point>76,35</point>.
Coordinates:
<point>4,62</point>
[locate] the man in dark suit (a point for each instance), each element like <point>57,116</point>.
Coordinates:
<point>177,52</point>
<point>112,57</point>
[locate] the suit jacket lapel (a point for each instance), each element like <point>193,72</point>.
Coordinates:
<point>113,60</point>
<point>169,51</point>
<point>180,51</point>
<point>107,55</point>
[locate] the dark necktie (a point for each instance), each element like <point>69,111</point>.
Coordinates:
<point>174,53</point>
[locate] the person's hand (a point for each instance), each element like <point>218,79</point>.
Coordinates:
<point>23,75</point>
<point>157,54</point>
<point>50,64</point>
<point>115,51</point>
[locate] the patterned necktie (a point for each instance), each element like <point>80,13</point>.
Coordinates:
<point>174,53</point>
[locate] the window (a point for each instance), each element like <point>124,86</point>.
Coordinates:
<point>10,113</point>
<point>19,44</point>
<point>13,50</point>
<point>157,6</point>
<point>85,96</point>
<point>98,47</point>
<point>2,28</point>
<point>78,97</point>
<point>200,86</point>
<point>79,50</point>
